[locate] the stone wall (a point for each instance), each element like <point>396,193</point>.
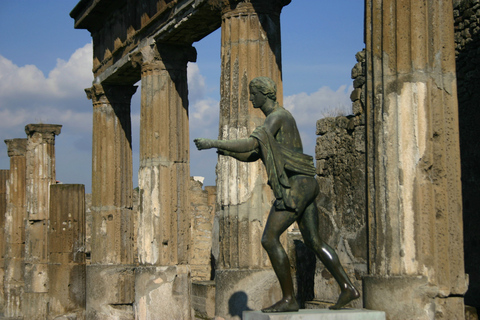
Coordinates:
<point>340,154</point>
<point>467,41</point>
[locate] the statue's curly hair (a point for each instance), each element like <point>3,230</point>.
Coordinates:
<point>266,86</point>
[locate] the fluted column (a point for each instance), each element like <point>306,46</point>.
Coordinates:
<point>164,175</point>
<point>112,189</point>
<point>250,47</point>
<point>110,276</point>
<point>15,228</point>
<point>414,190</point>
<point>40,159</point>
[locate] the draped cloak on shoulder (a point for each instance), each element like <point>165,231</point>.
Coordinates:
<point>278,159</point>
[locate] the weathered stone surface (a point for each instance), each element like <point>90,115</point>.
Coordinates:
<point>15,218</point>
<point>203,299</point>
<point>163,293</point>
<point>113,293</point>
<point>4,176</point>
<point>413,163</point>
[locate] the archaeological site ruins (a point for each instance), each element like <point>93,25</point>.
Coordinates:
<point>398,177</point>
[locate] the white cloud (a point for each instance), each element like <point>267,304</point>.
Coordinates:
<point>27,96</point>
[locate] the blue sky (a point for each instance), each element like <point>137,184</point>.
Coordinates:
<point>45,65</point>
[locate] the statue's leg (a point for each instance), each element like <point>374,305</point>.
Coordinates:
<point>308,225</point>
<point>277,223</point>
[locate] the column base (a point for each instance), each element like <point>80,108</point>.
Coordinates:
<point>163,292</point>
<point>110,292</point>
<point>409,297</point>
<point>238,290</point>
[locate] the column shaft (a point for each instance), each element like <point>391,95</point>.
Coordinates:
<point>164,174</point>
<point>112,188</point>
<point>15,228</point>
<point>40,160</point>
<point>4,176</point>
<point>250,48</point>
<point>414,191</point>
<point>110,276</point>
<point>66,246</point>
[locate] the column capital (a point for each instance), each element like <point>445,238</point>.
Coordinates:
<point>53,129</point>
<point>248,6</point>
<point>111,94</point>
<point>167,56</point>
<point>16,147</point>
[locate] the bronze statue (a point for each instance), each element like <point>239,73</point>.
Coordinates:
<point>291,176</point>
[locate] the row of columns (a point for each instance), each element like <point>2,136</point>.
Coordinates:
<point>43,240</point>
<point>414,207</point>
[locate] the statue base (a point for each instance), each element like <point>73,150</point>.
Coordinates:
<point>317,314</point>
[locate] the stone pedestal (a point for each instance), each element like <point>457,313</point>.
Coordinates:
<point>15,228</point>
<point>40,160</point>
<point>413,164</point>
<point>343,314</point>
<point>250,48</point>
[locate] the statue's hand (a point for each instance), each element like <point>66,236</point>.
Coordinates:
<point>202,143</point>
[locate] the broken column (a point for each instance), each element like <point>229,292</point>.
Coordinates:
<point>413,163</point>
<point>110,276</point>
<point>66,250</point>
<point>40,161</point>
<point>250,48</point>
<point>164,216</point>
<point>15,228</point>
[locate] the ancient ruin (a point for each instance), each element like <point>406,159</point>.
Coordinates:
<point>390,174</point>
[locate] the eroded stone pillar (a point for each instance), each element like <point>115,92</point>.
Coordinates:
<point>66,250</point>
<point>40,160</point>
<point>164,175</point>
<point>15,218</point>
<point>250,47</point>
<point>414,191</point>
<point>110,276</point>
<point>4,176</point>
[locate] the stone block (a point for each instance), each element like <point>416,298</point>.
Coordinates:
<point>203,299</point>
<point>317,314</point>
<point>163,292</point>
<point>110,292</point>
<point>242,290</point>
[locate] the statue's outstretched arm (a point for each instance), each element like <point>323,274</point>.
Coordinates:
<point>237,146</point>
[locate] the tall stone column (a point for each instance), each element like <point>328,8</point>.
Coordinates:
<point>110,276</point>
<point>40,159</point>
<point>414,191</point>
<point>15,228</point>
<point>250,48</point>
<point>164,175</point>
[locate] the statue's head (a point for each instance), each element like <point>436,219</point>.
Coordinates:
<point>266,86</point>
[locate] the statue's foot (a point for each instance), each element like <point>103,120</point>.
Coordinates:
<point>284,305</point>
<point>346,296</point>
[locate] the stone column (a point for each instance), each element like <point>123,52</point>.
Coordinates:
<point>4,176</point>
<point>40,158</point>
<point>164,175</point>
<point>414,191</point>
<point>250,47</point>
<point>110,276</point>
<point>66,250</point>
<point>15,228</point>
